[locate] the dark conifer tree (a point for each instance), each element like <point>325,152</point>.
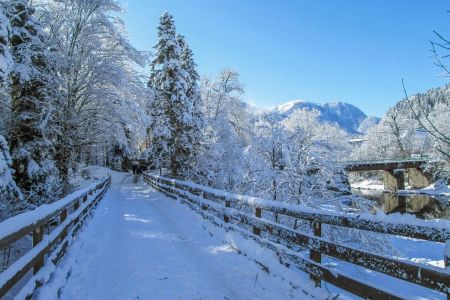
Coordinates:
<point>31,149</point>
<point>171,128</point>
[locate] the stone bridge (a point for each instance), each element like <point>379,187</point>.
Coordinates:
<point>395,171</point>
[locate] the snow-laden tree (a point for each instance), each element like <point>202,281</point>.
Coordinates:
<point>426,110</point>
<point>410,128</point>
<point>226,133</point>
<point>270,144</point>
<point>309,159</point>
<point>193,94</point>
<point>102,94</point>
<point>188,64</point>
<point>439,165</point>
<point>31,148</point>
<point>5,56</point>
<point>317,179</point>
<point>434,122</point>
<point>11,199</point>
<point>5,68</point>
<point>173,131</point>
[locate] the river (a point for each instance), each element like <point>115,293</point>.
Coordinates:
<point>423,206</point>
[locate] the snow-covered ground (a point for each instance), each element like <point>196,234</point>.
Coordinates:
<point>436,189</point>
<point>143,245</point>
<point>439,188</point>
<point>408,249</point>
<point>368,184</point>
<point>91,174</point>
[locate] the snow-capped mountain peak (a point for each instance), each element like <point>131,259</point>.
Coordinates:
<point>345,115</point>
<point>288,105</point>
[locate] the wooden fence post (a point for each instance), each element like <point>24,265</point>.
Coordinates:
<point>76,205</point>
<point>38,234</point>
<point>315,255</point>
<point>256,230</point>
<point>226,218</point>
<point>447,261</point>
<point>62,216</point>
<point>447,254</point>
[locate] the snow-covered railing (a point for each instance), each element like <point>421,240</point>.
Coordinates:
<point>420,159</point>
<point>61,220</point>
<point>230,208</point>
<point>385,164</point>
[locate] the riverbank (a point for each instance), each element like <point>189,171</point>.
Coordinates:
<point>368,184</point>
<point>439,188</point>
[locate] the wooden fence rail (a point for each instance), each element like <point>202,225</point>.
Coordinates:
<point>62,219</point>
<point>228,207</point>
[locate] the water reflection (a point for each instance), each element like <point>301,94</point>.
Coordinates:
<point>422,206</point>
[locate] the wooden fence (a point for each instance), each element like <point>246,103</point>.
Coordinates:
<point>229,208</point>
<point>51,228</point>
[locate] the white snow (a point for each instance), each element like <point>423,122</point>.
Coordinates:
<point>416,251</point>
<point>143,245</point>
<point>11,225</point>
<point>368,184</point>
<point>395,218</point>
<point>23,261</point>
<point>288,105</point>
<point>439,188</point>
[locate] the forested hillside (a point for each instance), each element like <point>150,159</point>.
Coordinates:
<point>407,128</point>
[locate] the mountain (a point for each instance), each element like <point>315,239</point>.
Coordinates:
<point>346,116</point>
<point>368,123</point>
<point>427,103</point>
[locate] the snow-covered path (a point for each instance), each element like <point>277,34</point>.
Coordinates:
<point>143,245</point>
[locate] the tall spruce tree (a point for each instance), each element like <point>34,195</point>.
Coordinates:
<point>11,199</point>
<point>171,129</point>
<point>5,56</point>
<point>188,65</point>
<point>193,93</point>
<point>31,149</point>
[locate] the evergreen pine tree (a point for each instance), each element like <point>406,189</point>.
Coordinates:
<point>193,94</point>
<point>188,65</point>
<point>31,150</point>
<point>5,56</point>
<point>172,110</point>
<point>11,199</point>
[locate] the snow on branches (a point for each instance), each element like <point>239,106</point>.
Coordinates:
<point>31,148</point>
<point>175,118</point>
<point>11,199</point>
<point>5,56</point>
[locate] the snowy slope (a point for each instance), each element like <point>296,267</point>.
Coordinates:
<point>347,116</point>
<point>142,245</point>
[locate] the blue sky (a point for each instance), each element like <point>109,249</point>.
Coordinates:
<point>320,51</point>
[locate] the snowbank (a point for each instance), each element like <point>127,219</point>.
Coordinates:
<point>391,219</point>
<point>249,247</point>
<point>368,184</point>
<point>439,188</point>
<point>30,218</point>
